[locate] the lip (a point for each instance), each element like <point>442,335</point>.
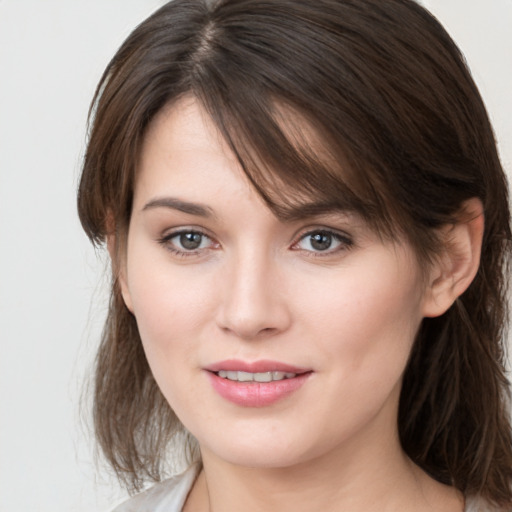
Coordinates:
<point>256,394</point>
<point>255,366</point>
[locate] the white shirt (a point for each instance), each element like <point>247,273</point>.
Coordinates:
<point>170,496</point>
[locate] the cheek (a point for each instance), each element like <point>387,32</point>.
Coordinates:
<point>166,308</point>
<point>168,314</point>
<point>367,318</point>
<point>364,326</point>
<point>169,302</point>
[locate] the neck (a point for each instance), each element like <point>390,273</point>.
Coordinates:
<point>355,485</point>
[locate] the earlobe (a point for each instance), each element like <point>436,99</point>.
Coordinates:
<point>457,266</point>
<point>119,268</point>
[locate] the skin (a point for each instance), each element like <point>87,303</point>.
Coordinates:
<point>256,288</point>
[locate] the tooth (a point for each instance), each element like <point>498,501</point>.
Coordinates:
<point>239,376</point>
<point>263,377</point>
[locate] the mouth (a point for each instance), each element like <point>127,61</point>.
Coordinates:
<point>256,384</point>
<point>239,376</point>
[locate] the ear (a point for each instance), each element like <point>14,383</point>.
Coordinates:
<point>457,265</point>
<point>118,261</point>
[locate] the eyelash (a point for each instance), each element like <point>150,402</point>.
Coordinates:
<point>345,242</point>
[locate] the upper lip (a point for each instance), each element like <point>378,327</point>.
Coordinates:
<point>255,366</point>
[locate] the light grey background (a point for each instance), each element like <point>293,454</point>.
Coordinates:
<point>52,53</point>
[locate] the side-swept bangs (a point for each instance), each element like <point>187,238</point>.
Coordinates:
<point>359,105</point>
<point>390,147</point>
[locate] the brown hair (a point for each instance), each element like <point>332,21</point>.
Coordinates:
<point>405,141</point>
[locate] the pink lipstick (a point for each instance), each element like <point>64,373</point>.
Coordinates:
<point>255,384</point>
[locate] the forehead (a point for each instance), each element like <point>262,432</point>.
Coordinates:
<point>186,165</point>
<point>289,170</point>
<point>182,149</point>
<point>182,125</point>
<point>295,165</point>
<point>185,124</point>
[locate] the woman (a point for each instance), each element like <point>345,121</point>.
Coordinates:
<point>310,238</point>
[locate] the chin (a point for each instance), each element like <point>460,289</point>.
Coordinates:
<point>259,458</point>
<point>274,451</point>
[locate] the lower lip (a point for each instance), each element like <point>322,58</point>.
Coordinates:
<point>256,394</point>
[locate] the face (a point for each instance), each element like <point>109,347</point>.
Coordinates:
<point>275,342</point>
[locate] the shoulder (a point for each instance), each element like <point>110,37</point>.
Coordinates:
<point>166,496</point>
<point>476,504</point>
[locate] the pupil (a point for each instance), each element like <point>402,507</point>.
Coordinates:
<point>190,240</point>
<point>321,241</point>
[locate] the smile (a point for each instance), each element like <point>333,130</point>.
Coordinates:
<point>258,383</point>
<point>239,376</point>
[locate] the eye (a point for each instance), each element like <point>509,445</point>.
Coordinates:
<point>186,242</point>
<point>190,241</point>
<point>323,241</point>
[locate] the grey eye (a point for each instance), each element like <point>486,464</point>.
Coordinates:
<point>190,241</point>
<point>187,242</point>
<point>321,241</point>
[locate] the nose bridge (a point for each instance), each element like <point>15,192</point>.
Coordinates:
<point>254,299</point>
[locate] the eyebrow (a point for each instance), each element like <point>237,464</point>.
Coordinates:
<point>174,203</point>
<point>286,214</point>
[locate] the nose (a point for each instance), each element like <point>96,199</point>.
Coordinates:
<point>254,298</point>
